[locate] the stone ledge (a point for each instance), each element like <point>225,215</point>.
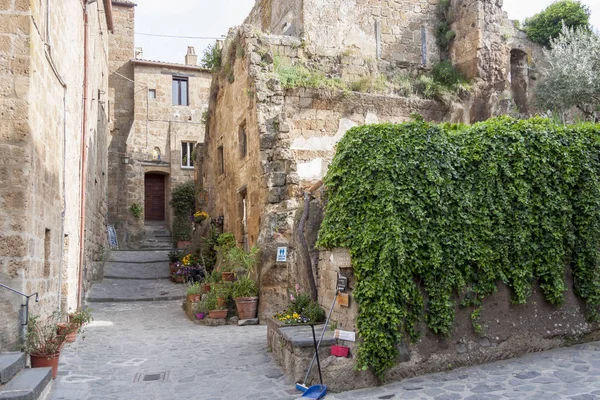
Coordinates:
<point>301,335</point>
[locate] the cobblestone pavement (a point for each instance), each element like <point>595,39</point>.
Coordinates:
<point>569,373</point>
<point>149,350</point>
<point>129,340</point>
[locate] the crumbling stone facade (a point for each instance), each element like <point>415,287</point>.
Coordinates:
<point>153,134</point>
<point>289,137</point>
<point>53,193</point>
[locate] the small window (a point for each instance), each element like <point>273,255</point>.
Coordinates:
<point>243,140</point>
<point>221,160</point>
<point>152,94</point>
<point>187,150</point>
<point>180,91</point>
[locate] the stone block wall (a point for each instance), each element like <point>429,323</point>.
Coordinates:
<point>291,136</point>
<point>508,330</point>
<point>390,31</point>
<point>121,108</point>
<point>41,115</point>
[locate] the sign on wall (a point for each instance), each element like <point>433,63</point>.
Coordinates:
<point>282,254</point>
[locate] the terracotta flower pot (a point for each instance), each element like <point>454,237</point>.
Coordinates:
<point>227,276</point>
<point>38,361</point>
<point>246,307</point>
<point>68,330</point>
<point>221,302</point>
<point>217,314</point>
<point>193,298</point>
<point>182,244</point>
<point>178,279</point>
<point>206,287</point>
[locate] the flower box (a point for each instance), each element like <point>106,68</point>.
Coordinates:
<point>340,351</point>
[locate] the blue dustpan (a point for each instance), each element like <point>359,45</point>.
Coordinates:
<point>315,392</point>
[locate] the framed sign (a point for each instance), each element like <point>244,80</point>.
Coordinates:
<point>282,254</point>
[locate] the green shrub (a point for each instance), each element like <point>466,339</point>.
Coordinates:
<point>547,25</point>
<point>293,76</point>
<point>314,312</point>
<point>193,288</point>
<point>448,211</point>
<point>211,58</point>
<point>445,73</point>
<point>244,288</point>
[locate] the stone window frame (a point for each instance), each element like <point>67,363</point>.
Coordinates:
<point>180,100</point>
<point>189,161</point>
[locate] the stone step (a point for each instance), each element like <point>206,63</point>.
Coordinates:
<point>150,246</point>
<point>29,384</point>
<point>138,257</point>
<point>133,290</point>
<point>10,365</point>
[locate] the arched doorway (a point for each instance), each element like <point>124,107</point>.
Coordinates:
<point>154,197</point>
<point>519,79</point>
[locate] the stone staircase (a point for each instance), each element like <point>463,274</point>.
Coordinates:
<point>157,236</point>
<point>20,383</point>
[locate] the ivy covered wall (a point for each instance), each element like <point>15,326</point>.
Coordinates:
<point>436,215</point>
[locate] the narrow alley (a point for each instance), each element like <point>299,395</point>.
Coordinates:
<point>141,345</point>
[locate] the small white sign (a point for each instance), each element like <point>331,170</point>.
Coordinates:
<point>345,335</point>
<point>281,254</point>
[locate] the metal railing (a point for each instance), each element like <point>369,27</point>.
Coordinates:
<point>24,306</point>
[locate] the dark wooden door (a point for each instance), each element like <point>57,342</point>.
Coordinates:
<point>154,188</point>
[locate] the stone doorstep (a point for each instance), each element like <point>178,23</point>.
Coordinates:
<point>27,385</point>
<point>10,365</point>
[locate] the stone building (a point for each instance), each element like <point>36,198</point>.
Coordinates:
<point>268,146</point>
<point>265,148</point>
<point>53,138</point>
<point>157,120</point>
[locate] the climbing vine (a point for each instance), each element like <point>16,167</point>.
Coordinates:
<point>443,212</point>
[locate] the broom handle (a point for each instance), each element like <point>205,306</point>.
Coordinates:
<point>321,338</point>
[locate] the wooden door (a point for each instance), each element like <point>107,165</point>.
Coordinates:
<point>154,189</point>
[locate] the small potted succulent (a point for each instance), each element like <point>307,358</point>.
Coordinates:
<point>43,342</point>
<point>214,311</point>
<point>193,292</point>
<point>245,294</point>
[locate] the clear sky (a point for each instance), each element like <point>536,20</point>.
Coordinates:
<point>214,18</point>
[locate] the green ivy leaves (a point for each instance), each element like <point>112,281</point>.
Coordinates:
<point>446,211</point>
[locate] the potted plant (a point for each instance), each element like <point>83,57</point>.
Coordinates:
<point>237,260</point>
<point>245,294</point>
<point>43,342</point>
<point>201,309</point>
<point>200,216</point>
<point>223,290</point>
<point>193,292</point>
<point>174,257</point>
<point>225,242</point>
<point>214,311</point>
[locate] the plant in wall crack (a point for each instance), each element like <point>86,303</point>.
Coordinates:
<point>137,210</point>
<point>444,212</point>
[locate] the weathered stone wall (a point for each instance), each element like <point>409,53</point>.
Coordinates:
<point>391,31</point>
<point>485,43</point>
<point>279,17</point>
<point>42,114</point>
<point>121,107</point>
<point>508,330</point>
<point>291,140</point>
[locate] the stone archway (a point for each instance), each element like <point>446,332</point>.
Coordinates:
<point>519,79</point>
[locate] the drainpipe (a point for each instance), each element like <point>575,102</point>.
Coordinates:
<point>83,159</point>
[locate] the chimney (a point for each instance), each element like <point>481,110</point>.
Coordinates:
<point>139,53</point>
<point>191,58</point>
